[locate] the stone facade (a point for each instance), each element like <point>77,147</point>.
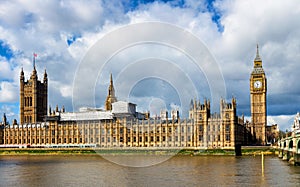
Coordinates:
<point>201,130</point>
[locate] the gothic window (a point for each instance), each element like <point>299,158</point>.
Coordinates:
<point>200,137</point>
<point>227,137</point>
<point>200,116</point>
<point>227,115</point>
<point>227,128</point>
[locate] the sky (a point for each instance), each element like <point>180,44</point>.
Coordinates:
<point>64,34</point>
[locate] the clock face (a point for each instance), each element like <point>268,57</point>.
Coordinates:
<point>257,84</point>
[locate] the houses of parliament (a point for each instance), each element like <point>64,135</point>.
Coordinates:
<point>119,125</point>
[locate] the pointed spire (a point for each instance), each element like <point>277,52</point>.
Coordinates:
<point>111,90</point>
<point>34,73</point>
<point>22,75</point>
<point>257,58</point>
<point>111,98</point>
<point>50,111</point>
<point>111,79</point>
<point>22,72</point>
<point>4,120</point>
<point>191,104</point>
<point>45,76</point>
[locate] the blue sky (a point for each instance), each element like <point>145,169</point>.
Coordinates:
<point>62,32</point>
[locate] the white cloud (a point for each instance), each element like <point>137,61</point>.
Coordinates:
<point>284,121</point>
<point>8,92</point>
<point>44,27</point>
<point>5,70</point>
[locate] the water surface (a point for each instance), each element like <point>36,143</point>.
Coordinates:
<point>178,171</point>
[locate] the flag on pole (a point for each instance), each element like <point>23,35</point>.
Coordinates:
<point>34,56</point>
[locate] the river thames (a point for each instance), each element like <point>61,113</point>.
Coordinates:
<point>178,171</point>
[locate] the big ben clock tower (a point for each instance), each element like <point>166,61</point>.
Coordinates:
<point>258,93</point>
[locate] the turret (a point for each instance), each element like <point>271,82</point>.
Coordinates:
<point>22,96</point>
<point>22,76</point>
<point>4,120</point>
<point>191,105</point>
<point>45,77</point>
<point>50,111</point>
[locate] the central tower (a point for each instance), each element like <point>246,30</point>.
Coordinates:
<point>111,98</point>
<point>258,98</point>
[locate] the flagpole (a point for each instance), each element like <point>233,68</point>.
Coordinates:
<point>34,56</point>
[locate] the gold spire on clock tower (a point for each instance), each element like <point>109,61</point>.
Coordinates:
<point>258,99</point>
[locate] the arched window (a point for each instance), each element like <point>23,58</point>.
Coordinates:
<point>291,144</point>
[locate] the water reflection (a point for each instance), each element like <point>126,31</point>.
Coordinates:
<point>178,171</point>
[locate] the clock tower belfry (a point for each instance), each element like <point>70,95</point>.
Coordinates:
<point>258,99</point>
